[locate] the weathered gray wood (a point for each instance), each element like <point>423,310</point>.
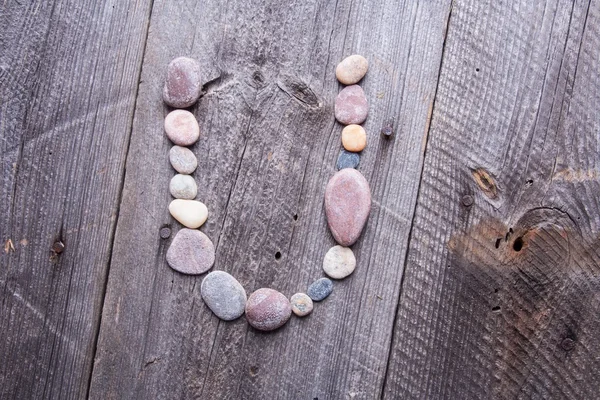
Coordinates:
<point>268,148</point>
<point>501,298</point>
<point>68,79</point>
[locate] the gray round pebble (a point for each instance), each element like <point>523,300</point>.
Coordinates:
<point>320,289</point>
<point>183,160</point>
<point>347,159</point>
<point>183,187</point>
<point>224,295</point>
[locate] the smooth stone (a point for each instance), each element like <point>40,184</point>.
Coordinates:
<point>190,213</point>
<point>182,159</point>
<point>347,159</point>
<point>182,128</point>
<point>351,106</point>
<point>191,252</point>
<point>320,289</point>
<point>339,262</point>
<point>347,205</point>
<point>351,69</point>
<point>224,295</point>
<point>267,309</point>
<point>354,138</point>
<point>183,187</point>
<point>182,85</point>
<point>301,304</point>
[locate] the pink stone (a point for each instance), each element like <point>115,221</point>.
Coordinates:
<point>182,85</point>
<point>351,106</point>
<point>347,205</point>
<point>191,252</point>
<point>267,309</point>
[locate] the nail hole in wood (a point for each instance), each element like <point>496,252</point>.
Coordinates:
<point>518,244</point>
<point>498,242</point>
<point>278,255</point>
<point>476,69</point>
<point>295,217</point>
<point>496,309</point>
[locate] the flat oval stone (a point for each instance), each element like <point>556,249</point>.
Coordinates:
<point>182,159</point>
<point>347,159</point>
<point>339,262</point>
<point>347,205</point>
<point>224,295</point>
<point>354,138</point>
<point>351,69</point>
<point>182,128</point>
<point>183,187</point>
<point>182,85</point>
<point>190,213</point>
<point>351,106</point>
<point>301,304</point>
<point>320,289</point>
<point>191,252</point>
<point>267,309</point>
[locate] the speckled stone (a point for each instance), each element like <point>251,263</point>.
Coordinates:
<point>320,289</point>
<point>267,309</point>
<point>224,295</point>
<point>182,84</point>
<point>183,187</point>
<point>182,128</point>
<point>354,138</point>
<point>182,160</point>
<point>347,205</point>
<point>351,106</point>
<point>347,159</point>
<point>302,305</point>
<point>191,252</point>
<point>190,213</point>
<point>339,262</point>
<point>351,69</point>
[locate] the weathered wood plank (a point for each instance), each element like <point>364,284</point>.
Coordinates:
<point>268,149</point>
<point>501,298</point>
<point>68,79</point>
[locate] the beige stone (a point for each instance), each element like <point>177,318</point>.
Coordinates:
<point>354,138</point>
<point>339,262</point>
<point>190,213</point>
<point>351,69</point>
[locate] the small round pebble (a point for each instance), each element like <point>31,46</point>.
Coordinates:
<point>190,213</point>
<point>191,252</point>
<point>182,85</point>
<point>301,304</point>
<point>224,295</point>
<point>354,138</point>
<point>339,262</point>
<point>182,128</point>
<point>182,160</point>
<point>351,69</point>
<point>351,106</point>
<point>347,159</point>
<point>267,309</point>
<point>183,187</point>
<point>320,289</point>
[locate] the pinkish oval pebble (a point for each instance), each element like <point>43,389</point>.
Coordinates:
<point>182,85</point>
<point>351,105</point>
<point>191,252</point>
<point>182,128</point>
<point>267,309</point>
<point>347,205</point>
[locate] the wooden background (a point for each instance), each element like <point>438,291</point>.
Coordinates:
<point>478,272</point>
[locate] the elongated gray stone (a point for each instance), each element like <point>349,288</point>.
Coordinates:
<point>224,295</point>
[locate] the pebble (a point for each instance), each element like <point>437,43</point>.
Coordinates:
<point>182,128</point>
<point>267,309</point>
<point>301,304</point>
<point>351,69</point>
<point>354,138</point>
<point>190,213</point>
<point>224,295</point>
<point>351,106</point>
<point>320,289</point>
<point>182,85</point>
<point>183,160</point>
<point>347,159</point>
<point>339,262</point>
<point>191,252</point>
<point>183,187</point>
<point>347,205</point>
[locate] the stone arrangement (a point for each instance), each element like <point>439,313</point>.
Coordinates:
<point>347,202</point>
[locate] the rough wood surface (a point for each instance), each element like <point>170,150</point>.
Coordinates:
<point>501,297</point>
<point>68,81</point>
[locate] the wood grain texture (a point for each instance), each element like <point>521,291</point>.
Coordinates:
<point>68,79</point>
<point>501,298</point>
<point>268,147</point>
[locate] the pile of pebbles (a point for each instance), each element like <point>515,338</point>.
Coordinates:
<point>347,202</point>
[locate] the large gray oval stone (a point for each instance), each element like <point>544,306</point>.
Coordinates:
<point>224,295</point>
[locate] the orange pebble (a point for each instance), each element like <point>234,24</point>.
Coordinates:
<point>354,138</point>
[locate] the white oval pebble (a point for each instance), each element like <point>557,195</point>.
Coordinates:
<point>182,128</point>
<point>352,69</point>
<point>339,262</point>
<point>190,213</point>
<point>301,304</point>
<point>183,159</point>
<point>183,187</point>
